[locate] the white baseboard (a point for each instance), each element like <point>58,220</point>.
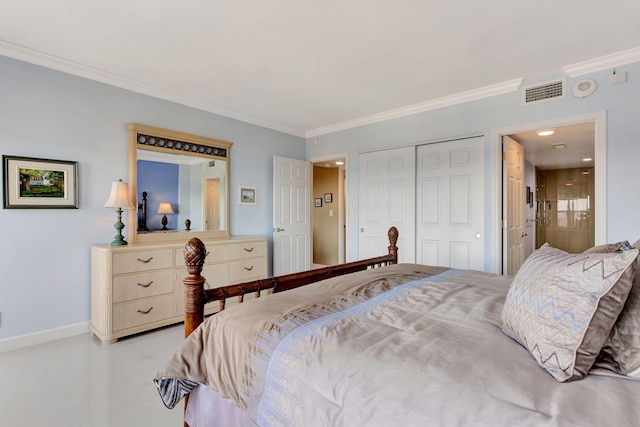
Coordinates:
<point>42,337</point>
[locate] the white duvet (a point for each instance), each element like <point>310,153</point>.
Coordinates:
<point>429,352</point>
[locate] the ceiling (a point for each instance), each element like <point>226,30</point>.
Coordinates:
<point>566,148</point>
<point>311,67</point>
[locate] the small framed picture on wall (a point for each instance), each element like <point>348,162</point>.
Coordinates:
<point>317,202</point>
<point>328,197</point>
<point>248,196</point>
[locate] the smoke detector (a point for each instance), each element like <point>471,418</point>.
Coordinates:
<point>583,88</point>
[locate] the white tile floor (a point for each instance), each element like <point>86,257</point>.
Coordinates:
<point>79,382</point>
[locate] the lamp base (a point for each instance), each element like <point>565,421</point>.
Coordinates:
<point>117,242</point>
<point>164,223</point>
<point>119,239</point>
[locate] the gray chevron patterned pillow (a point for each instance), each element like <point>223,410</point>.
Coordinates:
<point>562,306</point>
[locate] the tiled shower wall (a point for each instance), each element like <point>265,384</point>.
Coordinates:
<point>565,209</point>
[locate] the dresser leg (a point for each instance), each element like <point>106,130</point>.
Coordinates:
<point>105,341</point>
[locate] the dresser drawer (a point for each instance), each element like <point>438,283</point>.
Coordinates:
<point>138,312</point>
<point>245,270</point>
<point>215,253</point>
<point>142,285</point>
<point>247,250</point>
<point>134,262</point>
<point>216,275</point>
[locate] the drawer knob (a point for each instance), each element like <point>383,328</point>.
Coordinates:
<point>145,285</point>
<point>249,268</point>
<point>145,261</point>
<point>249,250</point>
<point>145,312</point>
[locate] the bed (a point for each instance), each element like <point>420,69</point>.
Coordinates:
<point>413,345</point>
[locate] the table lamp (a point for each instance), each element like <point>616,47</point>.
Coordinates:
<point>165,209</point>
<point>119,198</point>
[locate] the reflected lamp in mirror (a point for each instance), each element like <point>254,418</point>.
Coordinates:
<point>119,199</point>
<point>165,209</point>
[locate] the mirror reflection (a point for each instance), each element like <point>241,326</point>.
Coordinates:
<point>180,183</point>
<point>191,191</point>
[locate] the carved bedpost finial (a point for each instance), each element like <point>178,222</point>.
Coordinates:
<point>393,236</point>
<point>194,255</point>
<point>393,239</point>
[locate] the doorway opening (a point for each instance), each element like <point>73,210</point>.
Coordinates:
<point>328,215</point>
<point>562,197</point>
<point>213,215</point>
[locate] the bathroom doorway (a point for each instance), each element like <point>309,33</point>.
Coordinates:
<point>563,187</point>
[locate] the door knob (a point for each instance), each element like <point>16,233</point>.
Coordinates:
<point>279,229</point>
<point>362,230</point>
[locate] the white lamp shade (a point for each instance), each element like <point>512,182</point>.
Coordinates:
<point>119,197</point>
<point>165,208</point>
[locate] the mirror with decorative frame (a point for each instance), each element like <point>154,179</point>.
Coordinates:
<point>179,183</point>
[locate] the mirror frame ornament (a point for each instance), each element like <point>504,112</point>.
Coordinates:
<point>172,142</point>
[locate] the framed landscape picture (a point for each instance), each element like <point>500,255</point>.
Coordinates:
<point>31,183</point>
<point>248,196</point>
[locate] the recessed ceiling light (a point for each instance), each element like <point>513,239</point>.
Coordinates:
<point>587,159</point>
<point>585,173</point>
<point>339,163</point>
<point>546,132</point>
<point>559,145</point>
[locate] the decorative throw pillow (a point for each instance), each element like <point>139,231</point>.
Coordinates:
<point>609,248</point>
<point>621,352</point>
<point>562,306</point>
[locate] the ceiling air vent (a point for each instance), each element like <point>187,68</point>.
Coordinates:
<point>544,92</point>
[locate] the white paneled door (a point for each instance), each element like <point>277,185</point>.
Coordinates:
<point>387,198</point>
<point>291,215</point>
<point>515,204</point>
<point>450,204</point>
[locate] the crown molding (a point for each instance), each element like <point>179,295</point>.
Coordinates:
<point>446,101</point>
<point>602,63</point>
<point>597,64</point>
<point>56,63</point>
<point>69,67</point>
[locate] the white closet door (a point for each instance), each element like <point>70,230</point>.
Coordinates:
<point>387,198</point>
<point>450,204</point>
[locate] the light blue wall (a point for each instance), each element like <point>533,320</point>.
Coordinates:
<point>482,117</point>
<point>44,255</point>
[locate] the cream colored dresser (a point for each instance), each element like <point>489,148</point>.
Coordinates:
<point>139,287</point>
